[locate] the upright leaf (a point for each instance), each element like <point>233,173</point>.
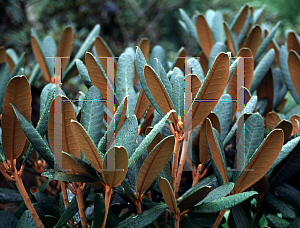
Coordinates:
<point>4,79</point>
<point>212,89</point>
<point>168,194</point>
<point>13,138</point>
<point>154,164</point>
<point>261,161</point>
<point>204,35</point>
<point>254,39</point>
<point>103,51</point>
<point>65,46</point>
<point>114,178</point>
<point>294,67</point>
<point>239,20</point>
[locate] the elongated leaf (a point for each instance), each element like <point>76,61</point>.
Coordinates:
<point>218,33</point>
<point>254,134</point>
<point>42,125</point>
<point>65,46</point>
<point>66,177</point>
<point>72,165</point>
<point>239,216</point>
<point>99,209</point>
<point>180,59</point>
<point>127,135</point>
<point>229,40</point>
<point>276,221</point>
<point>13,138</point>
<point>69,144</point>
<point>49,47</point>
<point>159,93</point>
<point>97,76</point>
<point>214,52</point>
<point>86,46</point>
<point>272,119</point>
<point>212,89</point>
<point>204,35</point>
<point>4,79</point>
<point>193,199</point>
<point>254,39</point>
<point>34,137</point>
<point>124,82</point>
<point>289,194</point>
<point>203,146</point>
<point>266,42</point>
<point>92,114</point>
<point>189,24</point>
<point>218,192</point>
<point>114,178</point>
<point>178,95</point>
<point>214,148</point>
<point>40,57</point>
<point>144,218</point>
<point>261,161</point>
<point>239,20</point>
<point>294,67</point>
<point>102,50</point>
<point>86,144</point>
<point>294,119</point>
<point>3,58</point>
<point>154,164</point>
<point>148,139</point>
<point>18,66</point>
<point>266,90</point>
<point>83,72</point>
<point>224,112</point>
<point>168,194</point>
<point>292,42</point>
<point>261,69</point>
<point>161,73</point>
<point>279,206</point>
<point>286,168</point>
<point>141,105</point>
<point>258,15</point>
<point>196,69</point>
<point>223,203</point>
<point>287,128</point>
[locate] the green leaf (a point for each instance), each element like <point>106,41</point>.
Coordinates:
<point>127,135</point>
<point>254,134</point>
<point>277,222</point>
<point>83,72</point>
<point>92,114</point>
<point>217,30</point>
<point>159,53</point>
<point>224,112</point>
<point>4,79</point>
<point>178,95</point>
<point>217,193</point>
<point>285,151</point>
<point>244,29</point>
<point>66,177</point>
<point>240,218</point>
<point>279,206</point>
<point>164,78</point>
<point>44,96</point>
<point>72,208</point>
<point>99,210</point>
<point>2,157</point>
<point>188,221</point>
<point>223,203</point>
<point>214,52</point>
<point>257,14</point>
<point>43,186</point>
<point>195,67</point>
<point>290,195</point>
<point>34,137</point>
<point>145,218</point>
<point>50,50</point>
<point>124,82</point>
<point>42,125</point>
<point>10,196</point>
<point>47,203</point>
<point>13,55</point>
<point>189,24</point>
<point>286,168</point>
<point>88,169</point>
<point>262,48</point>
<point>86,46</point>
<point>295,223</point>
<point>35,75</point>
<point>140,62</point>
<point>248,109</point>
<point>148,139</point>
<point>208,181</point>
<point>7,219</point>
<point>283,62</point>
<point>261,69</point>
<point>18,66</point>
<point>26,221</point>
